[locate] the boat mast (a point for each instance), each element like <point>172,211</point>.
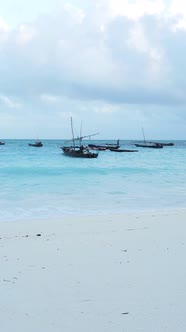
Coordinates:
<point>72,132</point>
<point>143,136</point>
<point>80,139</point>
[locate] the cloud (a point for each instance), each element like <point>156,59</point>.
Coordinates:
<point>137,9</point>
<point>8,102</point>
<point>49,98</point>
<point>74,52</point>
<point>25,34</point>
<point>107,55</point>
<point>3,26</point>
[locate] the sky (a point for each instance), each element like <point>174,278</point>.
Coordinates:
<point>113,65</point>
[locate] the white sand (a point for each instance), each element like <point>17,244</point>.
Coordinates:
<point>124,273</point>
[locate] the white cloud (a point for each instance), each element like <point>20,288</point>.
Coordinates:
<point>178,8</point>
<point>68,52</point>
<point>49,98</point>
<point>97,58</point>
<point>3,26</point>
<point>105,109</point>
<point>9,102</point>
<point>77,14</point>
<point>136,9</point>
<point>24,34</point>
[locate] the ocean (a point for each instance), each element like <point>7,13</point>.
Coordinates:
<point>40,183</point>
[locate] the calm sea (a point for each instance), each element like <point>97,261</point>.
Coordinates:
<point>41,183</point>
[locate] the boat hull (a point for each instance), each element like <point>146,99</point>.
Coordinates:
<point>97,147</point>
<point>78,153</point>
<point>36,145</point>
<point>112,146</point>
<point>164,144</point>
<point>153,146</point>
<point>122,150</point>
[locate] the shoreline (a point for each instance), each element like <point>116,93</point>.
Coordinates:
<point>71,216</point>
<point>107,273</point>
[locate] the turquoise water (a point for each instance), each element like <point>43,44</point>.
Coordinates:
<point>41,183</point>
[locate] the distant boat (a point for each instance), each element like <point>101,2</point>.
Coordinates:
<point>97,147</point>
<point>78,151</point>
<point>36,144</point>
<point>115,145</point>
<point>122,150</point>
<point>2,143</point>
<point>151,145</point>
<point>164,144</point>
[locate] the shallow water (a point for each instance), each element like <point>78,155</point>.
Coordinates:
<point>43,183</point>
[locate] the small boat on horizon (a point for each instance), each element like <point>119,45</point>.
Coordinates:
<point>111,145</point>
<point>122,150</point>
<point>37,144</point>
<point>2,143</point>
<point>151,145</point>
<point>97,147</point>
<point>164,144</point>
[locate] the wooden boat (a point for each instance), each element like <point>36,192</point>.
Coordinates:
<point>122,150</point>
<point>164,144</point>
<point>97,147</point>
<point>115,146</point>
<point>2,143</point>
<point>167,144</point>
<point>149,145</point>
<point>78,151</point>
<point>36,144</point>
<point>81,152</point>
<point>107,146</point>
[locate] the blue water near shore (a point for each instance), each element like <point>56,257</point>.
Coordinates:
<point>41,183</point>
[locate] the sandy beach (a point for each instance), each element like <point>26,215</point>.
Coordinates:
<point>121,273</point>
